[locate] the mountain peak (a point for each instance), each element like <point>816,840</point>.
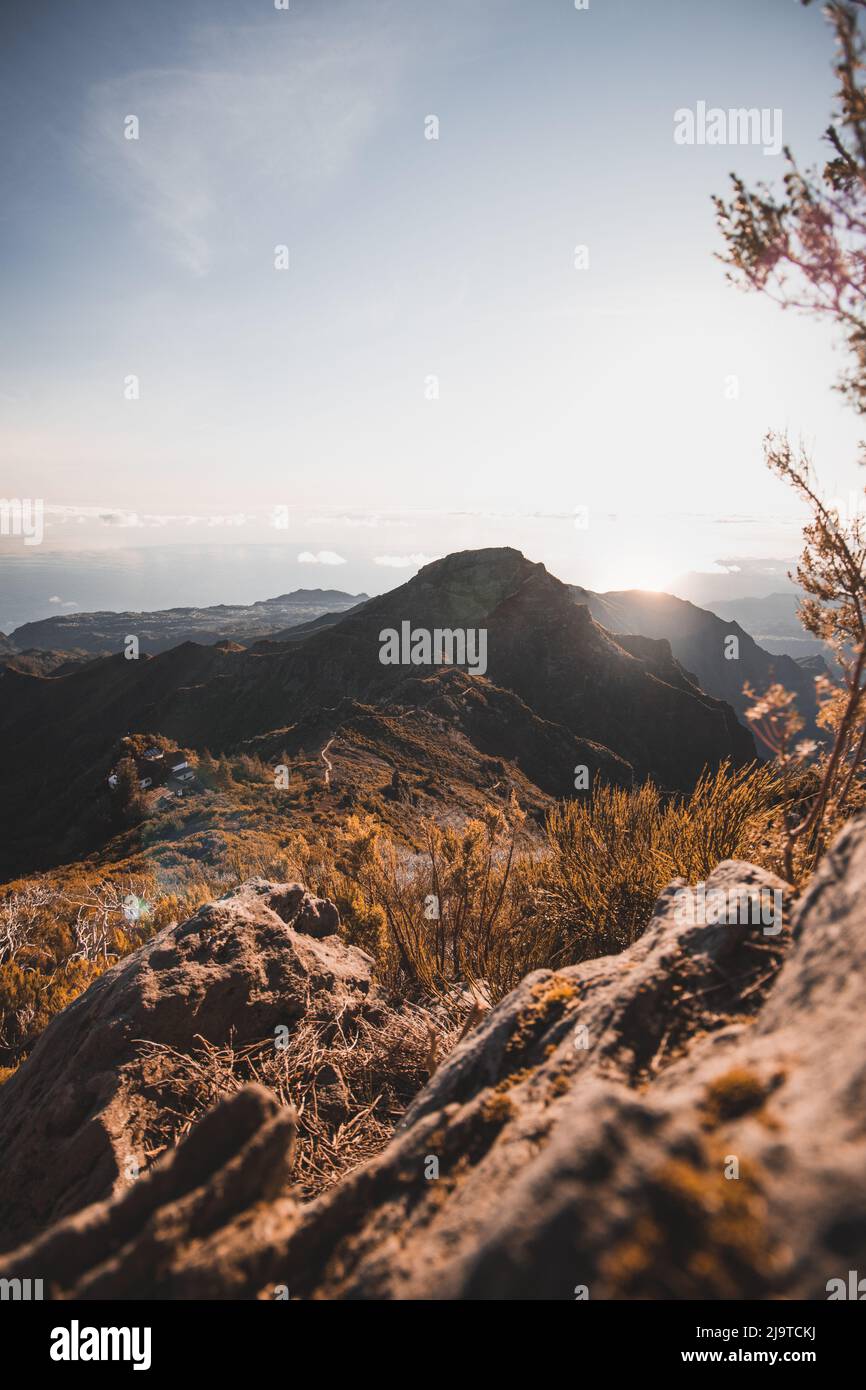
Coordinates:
<point>489,566</point>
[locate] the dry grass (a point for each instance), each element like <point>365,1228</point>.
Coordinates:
<point>610,856</point>
<point>350,1080</point>
<point>505,906</point>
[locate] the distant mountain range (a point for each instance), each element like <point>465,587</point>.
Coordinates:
<point>626,684</point>
<point>773,644</point>
<point>699,641</point>
<point>102,633</point>
<point>560,691</point>
<point>773,622</point>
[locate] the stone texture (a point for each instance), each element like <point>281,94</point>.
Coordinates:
<point>74,1117</point>
<point>562,1166</point>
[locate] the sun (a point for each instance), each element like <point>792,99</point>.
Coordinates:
<point>636,572</point>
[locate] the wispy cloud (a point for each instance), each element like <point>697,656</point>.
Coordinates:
<point>757,565</point>
<point>321,557</point>
<point>372,522</point>
<point>271,114</point>
<point>125,519</point>
<point>404,562</point>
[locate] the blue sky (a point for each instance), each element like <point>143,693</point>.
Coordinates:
<point>307,389</point>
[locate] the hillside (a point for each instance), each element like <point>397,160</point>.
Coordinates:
<point>471,952</point>
<point>698,640</point>
<point>628,700</point>
<point>773,621</point>
<point>36,661</point>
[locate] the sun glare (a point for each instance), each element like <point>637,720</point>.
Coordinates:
<point>639,573</point>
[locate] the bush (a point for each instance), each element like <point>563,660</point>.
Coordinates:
<point>477,909</point>
<point>610,856</point>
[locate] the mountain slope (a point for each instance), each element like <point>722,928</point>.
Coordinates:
<point>637,701</point>
<point>628,699</point>
<point>698,640</point>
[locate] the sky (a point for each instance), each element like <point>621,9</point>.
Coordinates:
<point>433,370</point>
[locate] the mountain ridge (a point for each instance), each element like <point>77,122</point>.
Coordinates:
<point>628,700</point>
<point>698,639</point>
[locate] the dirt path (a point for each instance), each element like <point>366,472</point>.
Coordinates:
<point>329,766</point>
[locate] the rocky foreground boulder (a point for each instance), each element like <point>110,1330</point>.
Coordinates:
<point>684,1120</point>
<point>163,1034</point>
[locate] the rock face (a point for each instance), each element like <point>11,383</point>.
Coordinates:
<point>167,1234</point>
<point>77,1119</point>
<point>684,1120</point>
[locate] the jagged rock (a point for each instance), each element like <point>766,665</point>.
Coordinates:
<point>76,1117</point>
<point>167,1237</point>
<point>316,916</point>
<point>602,1160</point>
